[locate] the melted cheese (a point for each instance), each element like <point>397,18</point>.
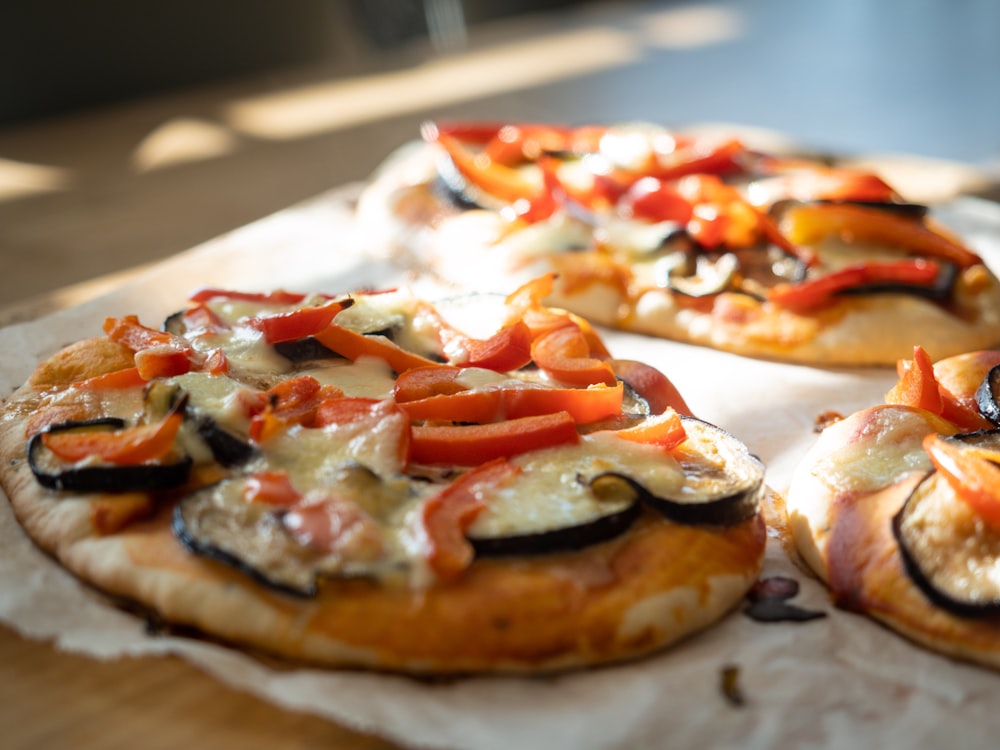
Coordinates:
<point>883,447</point>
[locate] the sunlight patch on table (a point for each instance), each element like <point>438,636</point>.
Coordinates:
<point>181,141</point>
<point>691,26</point>
<point>320,108</point>
<point>20,179</point>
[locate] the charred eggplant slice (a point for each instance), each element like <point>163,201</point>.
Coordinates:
<point>948,552</point>
<point>724,482</point>
<point>218,523</point>
<point>619,514</point>
<point>263,541</point>
<point>162,396</point>
<point>303,350</point>
<point>988,395</point>
<point>53,473</point>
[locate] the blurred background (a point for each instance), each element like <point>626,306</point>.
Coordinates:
<point>130,131</point>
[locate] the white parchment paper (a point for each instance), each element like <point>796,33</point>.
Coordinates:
<point>840,681</point>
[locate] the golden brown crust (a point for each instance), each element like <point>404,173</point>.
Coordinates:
<point>845,535</point>
<point>653,585</point>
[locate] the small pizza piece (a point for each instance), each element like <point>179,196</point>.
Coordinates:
<point>897,507</point>
<point>694,238</point>
<point>379,480</point>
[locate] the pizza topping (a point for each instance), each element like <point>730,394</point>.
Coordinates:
<point>718,480</point>
<point>987,395</point>
<point>471,445</point>
<point>77,471</point>
<point>809,224</point>
<point>949,528</point>
<point>381,436</point>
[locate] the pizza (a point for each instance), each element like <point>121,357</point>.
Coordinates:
<point>897,506</point>
<point>697,238</point>
<point>385,479</point>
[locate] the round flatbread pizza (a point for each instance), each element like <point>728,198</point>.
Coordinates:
<point>694,238</point>
<point>897,507</point>
<point>379,480</point>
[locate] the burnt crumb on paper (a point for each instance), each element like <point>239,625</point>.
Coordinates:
<point>730,685</point>
<point>769,602</point>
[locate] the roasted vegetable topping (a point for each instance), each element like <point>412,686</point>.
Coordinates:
<point>377,460</point>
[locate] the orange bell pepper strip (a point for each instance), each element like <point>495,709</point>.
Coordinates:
<point>158,353</point>
<point>818,291</point>
<point>117,380</point>
<point>291,402</point>
<point>502,182</point>
<point>917,386</point>
<point>515,144</point>
<point>975,479</point>
<point>297,324</point>
<point>471,445</point>
<point>490,405</point>
<point>425,382</point>
<point>352,345</point>
<point>127,447</point>
<point>664,430</point>
<point>810,224</point>
<point>445,517</point>
<point>565,354</point>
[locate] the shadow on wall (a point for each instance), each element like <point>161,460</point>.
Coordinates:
<point>58,56</point>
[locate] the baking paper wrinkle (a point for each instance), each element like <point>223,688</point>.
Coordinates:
<point>841,681</point>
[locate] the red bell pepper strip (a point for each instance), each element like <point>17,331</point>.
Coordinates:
<point>565,354</point>
<point>352,345</point>
<point>217,363</point>
<point>652,385</point>
<point>277,297</point>
<point>809,183</point>
<point>817,291</point>
<point>445,517</point>
<point>129,446</point>
<point>654,200</point>
<point>490,405</point>
<point>471,445</point>
<point>479,133</point>
<point>271,487</point>
<point>664,430</point>
<point>974,479</point>
<point>297,324</point>
<point>810,224</point>
<point>508,349</point>
<point>696,158</point>
<point>336,524</point>
<point>200,317</point>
